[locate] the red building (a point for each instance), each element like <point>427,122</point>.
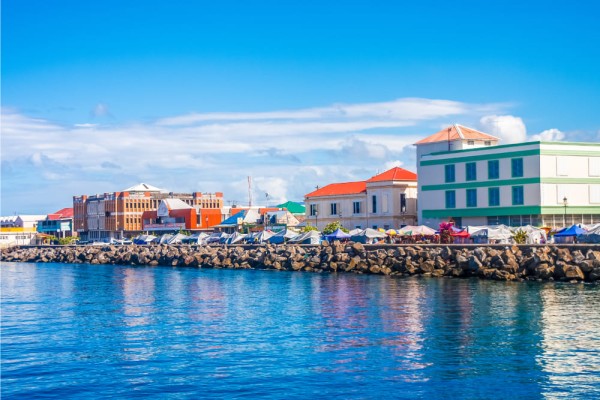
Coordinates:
<point>175,214</point>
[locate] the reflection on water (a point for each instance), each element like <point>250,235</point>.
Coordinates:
<point>570,343</point>
<point>139,332</point>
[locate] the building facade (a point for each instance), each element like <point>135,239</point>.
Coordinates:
<point>387,200</point>
<point>19,230</point>
<point>58,224</point>
<point>120,214</point>
<point>534,183</point>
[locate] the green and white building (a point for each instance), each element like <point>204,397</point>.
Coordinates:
<point>466,176</point>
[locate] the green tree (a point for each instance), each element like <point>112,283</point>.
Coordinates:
<point>332,227</point>
<point>66,240</point>
<point>520,236</point>
<point>308,228</point>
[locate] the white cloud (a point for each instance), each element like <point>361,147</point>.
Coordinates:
<point>408,109</point>
<point>508,128</point>
<point>549,135</point>
<point>393,164</point>
<point>288,153</point>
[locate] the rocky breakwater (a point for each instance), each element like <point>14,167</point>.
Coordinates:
<point>487,262</point>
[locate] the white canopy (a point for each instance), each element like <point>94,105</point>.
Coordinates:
<point>493,232</point>
<point>310,237</point>
<point>591,236</point>
<point>411,230</point>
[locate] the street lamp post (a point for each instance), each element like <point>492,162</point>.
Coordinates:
<point>317,220</point>
<point>340,217</point>
<point>565,215</point>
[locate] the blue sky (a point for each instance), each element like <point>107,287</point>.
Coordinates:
<point>97,96</point>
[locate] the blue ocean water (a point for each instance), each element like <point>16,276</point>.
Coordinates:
<point>90,331</point>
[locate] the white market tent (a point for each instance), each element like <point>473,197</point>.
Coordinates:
<point>235,237</point>
<point>196,238</point>
<point>144,239</point>
<point>368,236</point>
<point>534,235</point>
<point>310,237</point>
<point>485,233</point>
<point>591,236</point>
<point>282,236</point>
<point>177,238</point>
<point>411,230</point>
<point>259,237</point>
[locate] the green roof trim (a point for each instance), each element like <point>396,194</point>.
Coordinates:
<point>486,156</point>
<point>293,207</point>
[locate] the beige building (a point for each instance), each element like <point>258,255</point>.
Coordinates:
<point>387,200</point>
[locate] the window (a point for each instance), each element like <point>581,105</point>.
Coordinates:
<point>470,142</point>
<point>515,220</point>
<point>562,166</point>
<point>333,208</point>
<point>385,199</point>
<point>450,199</point>
<point>517,167</point>
<point>493,220</point>
<point>471,197</point>
<point>561,193</point>
<point>594,166</point>
<point>471,171</point>
<point>493,169</point>
<point>594,194</point>
<point>313,210</point>
<point>356,207</point>
<point>402,202</point>
<point>487,143</point>
<point>374,200</point>
<point>517,195</point>
<point>494,196</point>
<point>450,173</point>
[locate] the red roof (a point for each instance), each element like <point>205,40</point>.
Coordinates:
<point>457,132</point>
<point>62,213</point>
<point>394,174</point>
<point>336,189</point>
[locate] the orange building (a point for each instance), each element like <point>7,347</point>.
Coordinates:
<point>120,214</point>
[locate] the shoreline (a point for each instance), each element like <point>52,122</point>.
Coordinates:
<point>570,263</point>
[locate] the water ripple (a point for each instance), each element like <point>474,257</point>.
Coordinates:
<point>111,331</point>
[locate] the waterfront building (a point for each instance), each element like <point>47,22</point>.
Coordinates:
<point>175,214</point>
<point>58,224</point>
<point>387,200</point>
<point>120,214</point>
<point>466,176</point>
<point>19,230</point>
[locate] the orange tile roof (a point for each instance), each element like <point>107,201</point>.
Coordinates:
<point>394,174</point>
<point>457,132</point>
<point>336,189</point>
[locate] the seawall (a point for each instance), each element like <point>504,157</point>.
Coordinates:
<point>499,262</point>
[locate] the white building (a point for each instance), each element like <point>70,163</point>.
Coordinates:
<point>464,175</point>
<point>387,200</point>
<point>19,229</point>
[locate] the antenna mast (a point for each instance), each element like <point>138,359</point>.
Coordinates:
<point>249,191</point>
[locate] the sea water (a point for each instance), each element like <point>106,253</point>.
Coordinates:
<point>100,331</point>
